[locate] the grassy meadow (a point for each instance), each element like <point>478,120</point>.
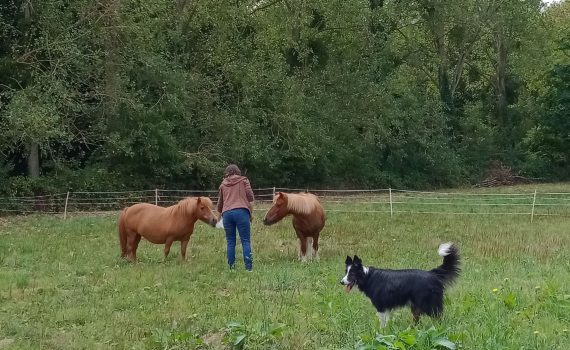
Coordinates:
<point>63,285</point>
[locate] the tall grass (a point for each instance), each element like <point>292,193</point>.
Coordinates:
<point>63,285</point>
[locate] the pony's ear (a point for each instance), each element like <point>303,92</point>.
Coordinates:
<point>199,200</point>
<point>280,194</point>
<point>348,260</point>
<point>357,260</point>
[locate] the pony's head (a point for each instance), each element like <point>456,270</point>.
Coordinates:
<point>204,211</point>
<point>278,210</point>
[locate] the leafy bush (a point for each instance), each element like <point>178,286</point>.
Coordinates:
<point>176,338</point>
<point>258,337</point>
<point>407,339</point>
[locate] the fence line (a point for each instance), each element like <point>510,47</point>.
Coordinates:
<point>392,201</point>
<point>463,194</point>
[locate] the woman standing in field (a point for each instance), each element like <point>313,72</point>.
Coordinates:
<point>235,203</point>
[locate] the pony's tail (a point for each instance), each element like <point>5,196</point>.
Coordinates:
<point>449,270</point>
<point>123,233</point>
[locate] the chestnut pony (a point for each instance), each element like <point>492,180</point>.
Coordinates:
<point>162,225</point>
<point>308,219</point>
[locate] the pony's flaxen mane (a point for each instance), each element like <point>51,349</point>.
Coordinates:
<point>185,205</point>
<point>189,201</point>
<point>301,203</point>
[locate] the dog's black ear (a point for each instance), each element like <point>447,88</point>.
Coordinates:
<point>357,260</point>
<point>348,260</point>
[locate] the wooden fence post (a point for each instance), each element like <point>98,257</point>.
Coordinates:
<point>533,202</point>
<point>65,210</point>
<point>391,208</point>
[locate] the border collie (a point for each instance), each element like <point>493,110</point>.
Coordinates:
<point>391,289</point>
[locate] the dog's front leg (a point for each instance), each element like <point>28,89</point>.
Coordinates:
<point>383,317</point>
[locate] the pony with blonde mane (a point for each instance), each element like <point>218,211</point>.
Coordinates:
<point>308,219</point>
<point>161,225</point>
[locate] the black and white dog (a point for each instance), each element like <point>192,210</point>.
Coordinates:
<point>390,289</point>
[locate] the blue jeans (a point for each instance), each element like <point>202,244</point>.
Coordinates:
<point>238,218</point>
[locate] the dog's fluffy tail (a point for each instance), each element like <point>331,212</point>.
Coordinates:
<point>449,270</point>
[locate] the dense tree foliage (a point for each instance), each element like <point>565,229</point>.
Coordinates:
<point>128,94</point>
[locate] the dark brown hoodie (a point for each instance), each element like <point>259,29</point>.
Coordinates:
<point>235,192</point>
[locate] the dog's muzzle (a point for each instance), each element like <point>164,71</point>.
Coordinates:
<point>347,285</point>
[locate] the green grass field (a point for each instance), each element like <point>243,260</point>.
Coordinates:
<point>63,285</point>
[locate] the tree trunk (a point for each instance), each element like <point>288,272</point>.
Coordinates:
<point>111,65</point>
<point>295,13</point>
<point>437,28</point>
<point>180,4</point>
<point>33,160</point>
<point>501,72</point>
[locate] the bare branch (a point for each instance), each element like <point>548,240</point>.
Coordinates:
<point>180,4</point>
<point>342,28</point>
<point>461,62</point>
<point>262,5</point>
<point>287,4</point>
<point>421,67</point>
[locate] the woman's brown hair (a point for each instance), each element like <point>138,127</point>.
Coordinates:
<point>232,169</point>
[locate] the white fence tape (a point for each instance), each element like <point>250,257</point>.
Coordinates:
<point>382,201</point>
